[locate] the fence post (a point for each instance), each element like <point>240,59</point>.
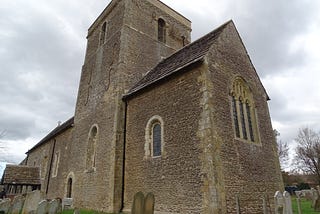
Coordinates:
<point>299,205</point>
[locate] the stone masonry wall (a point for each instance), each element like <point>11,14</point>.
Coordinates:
<point>175,177</point>
<point>44,158</point>
<point>249,170</point>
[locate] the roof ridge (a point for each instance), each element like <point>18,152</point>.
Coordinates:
<point>178,60</point>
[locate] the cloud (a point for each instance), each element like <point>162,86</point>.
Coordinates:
<point>43,45</point>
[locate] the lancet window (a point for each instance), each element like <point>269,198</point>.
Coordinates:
<point>243,111</point>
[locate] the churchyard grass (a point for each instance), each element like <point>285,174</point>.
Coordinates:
<point>305,206</point>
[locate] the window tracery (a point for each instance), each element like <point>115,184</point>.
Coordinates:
<point>243,111</point>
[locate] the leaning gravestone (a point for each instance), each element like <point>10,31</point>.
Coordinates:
<point>67,203</point>
<point>42,207</point>
<point>316,200</point>
<point>31,203</point>
<point>149,204</point>
<point>138,204</point>
<point>5,205</point>
<point>287,203</point>
<point>17,204</point>
<point>55,206</point>
<point>278,203</point>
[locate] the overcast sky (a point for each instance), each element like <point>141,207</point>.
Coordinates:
<point>42,47</point>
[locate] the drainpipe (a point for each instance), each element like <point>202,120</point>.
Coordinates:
<point>50,166</point>
<point>124,152</point>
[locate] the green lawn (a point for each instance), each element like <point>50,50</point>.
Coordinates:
<point>305,206</point>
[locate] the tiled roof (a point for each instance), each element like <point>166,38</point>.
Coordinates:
<point>54,132</point>
<point>18,174</point>
<point>180,59</point>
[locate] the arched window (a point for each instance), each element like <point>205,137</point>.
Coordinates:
<point>161,30</point>
<point>69,188</point>
<point>156,140</point>
<point>154,137</point>
<point>243,111</point>
<point>103,33</point>
<point>91,148</point>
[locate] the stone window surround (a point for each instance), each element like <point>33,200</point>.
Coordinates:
<point>91,145</point>
<point>70,175</point>
<point>56,162</point>
<point>162,33</point>
<point>242,94</point>
<point>103,33</point>
<point>148,146</point>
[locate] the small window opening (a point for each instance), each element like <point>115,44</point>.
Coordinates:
<point>161,31</point>
<point>103,33</point>
<point>69,188</point>
<point>156,141</point>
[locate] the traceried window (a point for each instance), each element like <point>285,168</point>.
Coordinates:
<point>91,148</point>
<point>243,111</point>
<point>161,30</point>
<point>103,32</point>
<point>154,137</point>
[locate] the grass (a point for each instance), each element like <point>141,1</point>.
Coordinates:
<point>305,206</point>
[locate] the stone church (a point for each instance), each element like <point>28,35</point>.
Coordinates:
<point>156,113</point>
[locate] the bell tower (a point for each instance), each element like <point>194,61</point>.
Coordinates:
<point>127,39</point>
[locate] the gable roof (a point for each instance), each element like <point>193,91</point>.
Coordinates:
<point>68,124</point>
<point>186,56</point>
<point>18,174</point>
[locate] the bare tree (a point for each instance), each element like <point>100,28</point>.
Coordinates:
<point>307,158</point>
<point>283,150</point>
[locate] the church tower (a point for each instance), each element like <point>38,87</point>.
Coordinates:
<point>127,39</point>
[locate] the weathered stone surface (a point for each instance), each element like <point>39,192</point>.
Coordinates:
<point>5,205</point>
<point>203,165</point>
<point>138,204</point>
<point>287,203</point>
<point>31,203</point>
<point>17,204</point>
<point>67,203</point>
<point>54,206</point>
<point>149,204</point>
<point>43,207</point>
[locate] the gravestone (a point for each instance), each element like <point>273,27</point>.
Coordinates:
<point>67,203</point>
<point>17,204</point>
<point>287,203</point>
<point>149,204</point>
<point>55,206</point>
<point>5,205</point>
<point>138,204</point>
<point>278,203</point>
<point>31,203</point>
<point>42,207</point>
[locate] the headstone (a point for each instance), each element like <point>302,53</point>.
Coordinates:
<point>5,205</point>
<point>315,196</point>
<point>31,203</point>
<point>278,203</point>
<point>67,203</point>
<point>138,204</point>
<point>42,207</point>
<point>287,203</point>
<point>299,205</point>
<point>55,206</point>
<point>149,204</point>
<point>17,204</point>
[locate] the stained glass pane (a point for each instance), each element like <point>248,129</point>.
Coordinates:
<point>235,117</point>
<point>156,140</point>
<point>243,124</point>
<point>250,122</point>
